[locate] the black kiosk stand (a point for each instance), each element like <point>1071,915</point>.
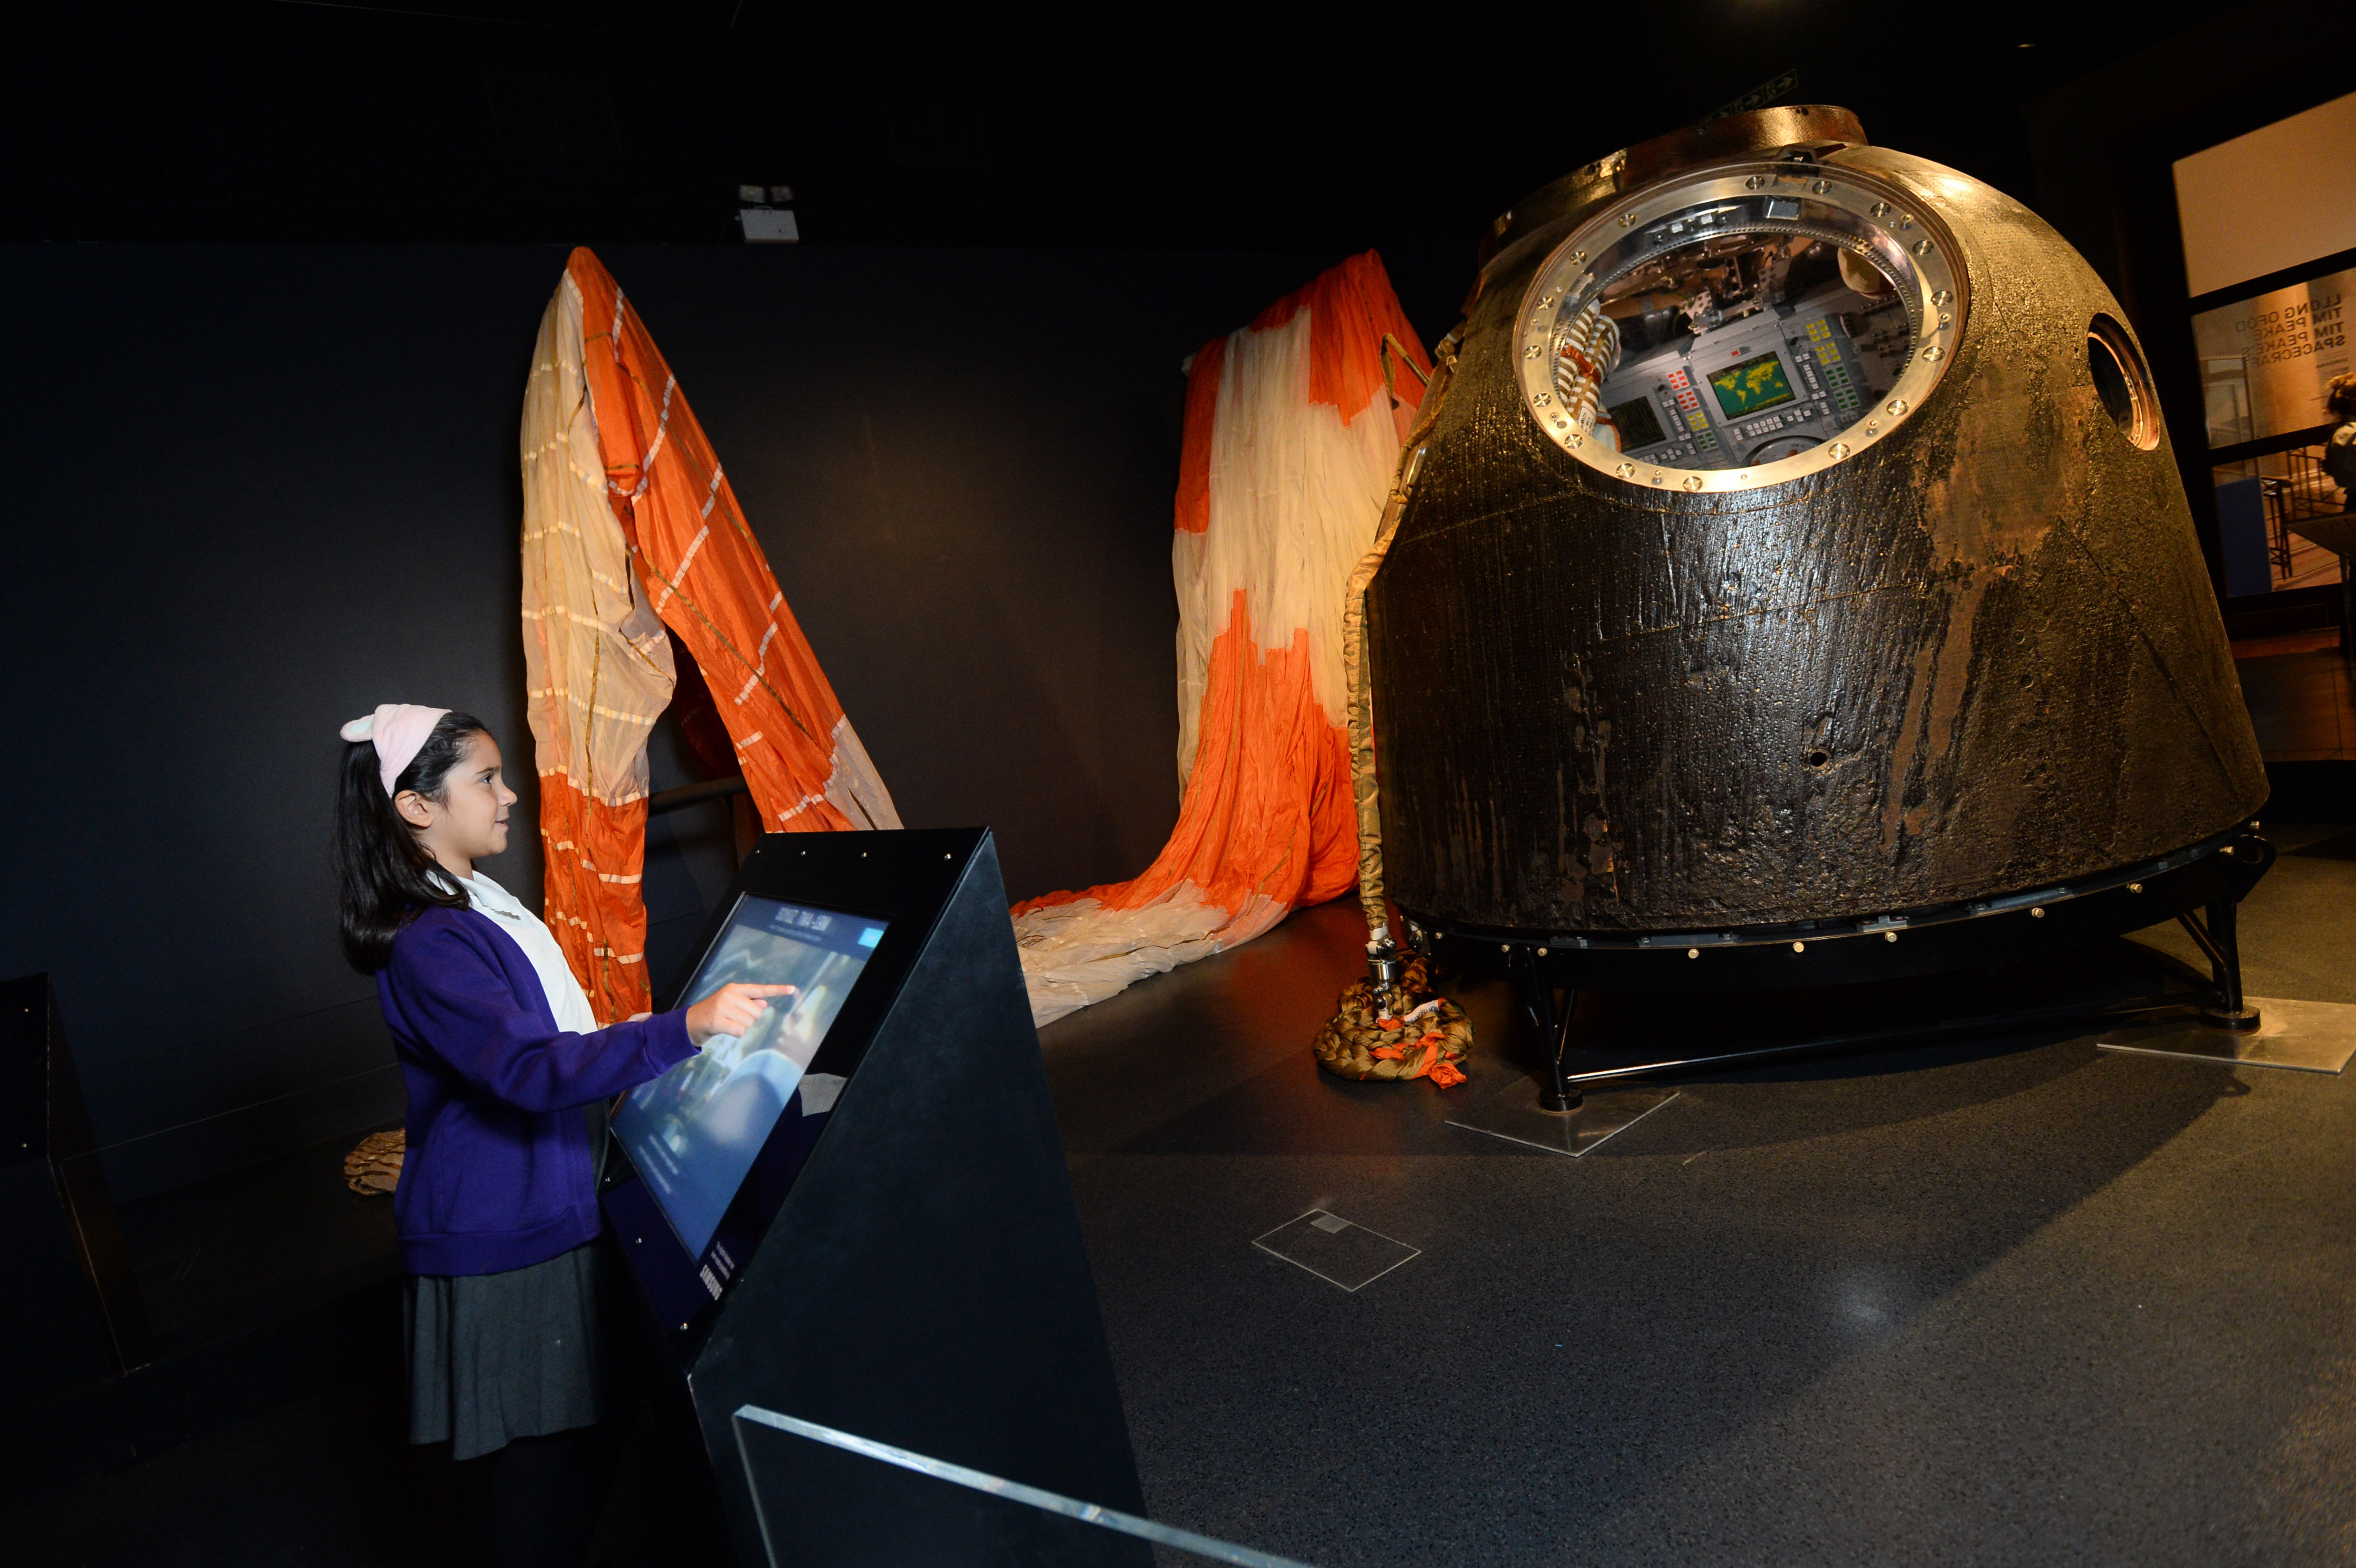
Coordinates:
<point>906,1266</point>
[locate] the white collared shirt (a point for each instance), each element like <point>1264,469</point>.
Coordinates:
<point>566,1000</point>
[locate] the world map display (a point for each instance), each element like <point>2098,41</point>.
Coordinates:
<point>1751,386</point>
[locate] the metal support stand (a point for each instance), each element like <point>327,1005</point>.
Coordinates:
<point>2022,1021</point>
<point>2212,1019</point>
<point>2214,1022</point>
<point>2304,1036</point>
<point>1546,1111</point>
<point>1554,1092</point>
<point>2218,939</point>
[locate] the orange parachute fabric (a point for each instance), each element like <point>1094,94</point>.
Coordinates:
<point>1291,438</point>
<point>598,671</point>
<point>712,584</point>
<point>664,544</point>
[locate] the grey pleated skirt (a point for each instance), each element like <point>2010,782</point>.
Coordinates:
<point>494,1356</point>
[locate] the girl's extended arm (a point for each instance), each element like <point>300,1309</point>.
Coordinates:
<point>455,997</point>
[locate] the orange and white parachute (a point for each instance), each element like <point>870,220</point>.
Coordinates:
<point>1292,431</point>
<point>630,526</point>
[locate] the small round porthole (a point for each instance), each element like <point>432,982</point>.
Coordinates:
<point>2122,382</point>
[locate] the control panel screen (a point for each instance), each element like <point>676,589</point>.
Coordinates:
<point>1638,425</point>
<point>1753,385</point>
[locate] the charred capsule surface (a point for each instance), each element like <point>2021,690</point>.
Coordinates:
<point>1799,540</point>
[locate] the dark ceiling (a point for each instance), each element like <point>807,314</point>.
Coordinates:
<point>1312,128</point>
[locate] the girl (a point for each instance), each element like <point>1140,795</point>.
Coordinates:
<point>2340,448</point>
<point>508,1075</point>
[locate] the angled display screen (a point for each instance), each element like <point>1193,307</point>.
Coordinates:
<point>1753,385</point>
<point>695,1132</point>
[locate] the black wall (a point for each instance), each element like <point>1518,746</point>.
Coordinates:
<point>257,490</point>
<point>1260,127</point>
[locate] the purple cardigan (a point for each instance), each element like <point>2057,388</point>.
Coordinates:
<point>497,1175</point>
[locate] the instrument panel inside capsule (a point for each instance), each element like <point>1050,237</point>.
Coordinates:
<point>1738,327</point>
<point>1743,349</point>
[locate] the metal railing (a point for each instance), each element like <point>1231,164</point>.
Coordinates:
<point>2293,487</point>
<point>2302,491</point>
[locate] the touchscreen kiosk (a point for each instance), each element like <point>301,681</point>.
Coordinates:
<point>858,1213</point>
<point>694,1133</point>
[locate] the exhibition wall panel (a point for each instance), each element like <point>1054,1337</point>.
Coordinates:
<point>2275,197</point>
<point>258,490</point>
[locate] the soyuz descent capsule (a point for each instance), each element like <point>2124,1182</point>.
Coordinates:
<point>1795,556</point>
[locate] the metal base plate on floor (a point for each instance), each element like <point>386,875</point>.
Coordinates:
<point>1513,1114</point>
<point>1335,1250</point>
<point>2304,1036</point>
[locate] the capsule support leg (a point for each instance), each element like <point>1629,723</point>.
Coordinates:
<point>1555,1091</point>
<point>2220,938</point>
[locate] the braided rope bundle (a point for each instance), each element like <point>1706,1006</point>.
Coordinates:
<point>1402,1032</point>
<point>375,1166</point>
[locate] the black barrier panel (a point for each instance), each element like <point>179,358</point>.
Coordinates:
<point>911,1269</point>
<point>72,1314</point>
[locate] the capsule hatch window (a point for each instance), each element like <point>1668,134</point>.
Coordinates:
<point>1738,327</point>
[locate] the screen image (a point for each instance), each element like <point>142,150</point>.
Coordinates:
<point>1755,384</point>
<point>1638,425</point>
<point>694,1133</point>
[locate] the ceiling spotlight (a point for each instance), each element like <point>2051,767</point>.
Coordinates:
<point>766,224</point>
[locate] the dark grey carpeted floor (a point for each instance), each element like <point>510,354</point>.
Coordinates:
<point>2021,1301</point>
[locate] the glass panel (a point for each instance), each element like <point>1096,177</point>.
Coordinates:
<point>888,1506</point>
<point>2266,362</point>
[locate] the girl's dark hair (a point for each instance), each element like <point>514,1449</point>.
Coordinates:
<point>385,876</point>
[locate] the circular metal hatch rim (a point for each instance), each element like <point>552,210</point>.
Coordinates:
<point>1892,229</point>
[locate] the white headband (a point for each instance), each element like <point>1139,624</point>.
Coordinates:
<point>399,729</point>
